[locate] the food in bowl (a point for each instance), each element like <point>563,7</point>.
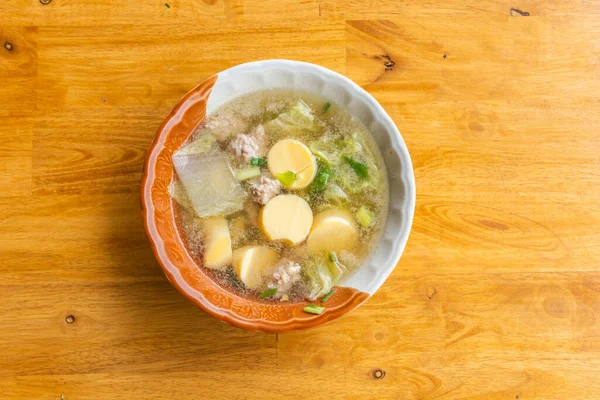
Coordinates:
<point>280,194</point>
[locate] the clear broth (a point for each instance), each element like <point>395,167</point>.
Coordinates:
<point>333,122</point>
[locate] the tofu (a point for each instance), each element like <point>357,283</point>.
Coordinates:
<point>292,155</point>
<point>217,243</point>
<point>250,263</point>
<point>333,229</point>
<point>286,217</point>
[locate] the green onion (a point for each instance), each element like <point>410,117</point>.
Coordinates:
<point>327,296</point>
<point>320,154</point>
<point>323,172</point>
<point>248,173</point>
<point>286,178</point>
<point>167,5</point>
<point>312,309</point>
<point>333,257</point>
<point>361,169</point>
<point>365,217</point>
<point>268,293</point>
<point>326,107</point>
<point>258,161</point>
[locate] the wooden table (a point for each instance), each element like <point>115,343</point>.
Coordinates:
<point>497,295</point>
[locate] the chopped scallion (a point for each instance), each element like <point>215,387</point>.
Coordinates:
<point>333,257</point>
<point>326,107</point>
<point>248,173</point>
<point>323,172</point>
<point>286,178</point>
<point>365,217</point>
<point>268,293</point>
<point>361,169</point>
<point>312,309</point>
<point>327,296</point>
<point>258,161</point>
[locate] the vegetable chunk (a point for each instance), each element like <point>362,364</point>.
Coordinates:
<point>209,183</point>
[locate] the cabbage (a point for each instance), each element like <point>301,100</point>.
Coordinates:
<point>204,144</point>
<point>347,156</point>
<point>296,120</point>
<point>319,278</point>
<point>333,150</point>
<point>335,194</point>
<point>322,273</point>
<point>347,179</point>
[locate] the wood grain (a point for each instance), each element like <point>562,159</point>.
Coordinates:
<point>497,295</point>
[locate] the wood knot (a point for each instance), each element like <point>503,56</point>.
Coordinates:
<point>70,319</point>
<point>388,63</point>
<point>8,46</point>
<point>379,374</point>
<point>44,2</point>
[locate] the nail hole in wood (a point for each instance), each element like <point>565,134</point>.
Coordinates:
<point>518,13</point>
<point>379,374</point>
<point>70,319</point>
<point>445,56</point>
<point>431,292</point>
<point>8,46</point>
<point>44,2</point>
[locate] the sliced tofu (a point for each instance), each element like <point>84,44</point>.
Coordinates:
<point>250,263</point>
<point>333,229</point>
<point>286,217</point>
<point>292,155</point>
<point>217,242</point>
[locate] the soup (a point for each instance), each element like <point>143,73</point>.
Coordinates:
<point>280,194</point>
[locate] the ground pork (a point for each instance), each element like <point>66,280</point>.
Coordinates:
<point>285,275</point>
<point>248,146</point>
<point>225,124</point>
<point>264,189</point>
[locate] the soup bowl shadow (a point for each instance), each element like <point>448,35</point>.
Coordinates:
<point>158,213</point>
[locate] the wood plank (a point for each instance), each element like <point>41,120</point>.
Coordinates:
<point>497,295</point>
<point>470,336</point>
<point>92,150</point>
<point>465,336</point>
<point>484,197</point>
<point>75,239</point>
<point>16,143</point>
<point>158,64</point>
<point>529,58</point>
<point>18,67</point>
<point>114,12</point>
<point>117,328</point>
<point>435,10</point>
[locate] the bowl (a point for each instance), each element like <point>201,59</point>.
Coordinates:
<point>157,206</point>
